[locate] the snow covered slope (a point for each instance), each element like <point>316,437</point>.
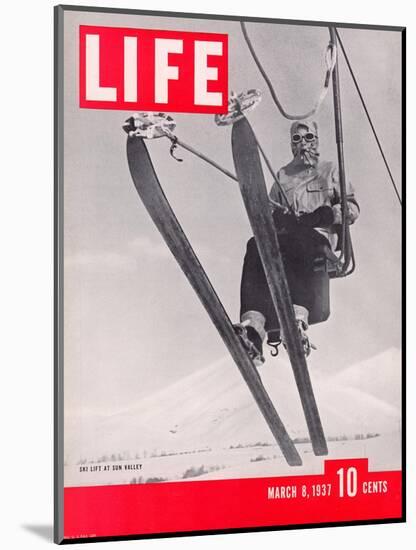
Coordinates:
<point>213,408</point>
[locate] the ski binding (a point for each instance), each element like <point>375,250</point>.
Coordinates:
<point>255,355</point>
<point>149,125</point>
<point>238,106</point>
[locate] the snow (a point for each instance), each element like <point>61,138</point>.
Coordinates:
<point>208,425</point>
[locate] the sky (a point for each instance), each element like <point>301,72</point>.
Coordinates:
<point>133,325</point>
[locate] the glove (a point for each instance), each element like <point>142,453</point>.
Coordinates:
<point>338,214</point>
<point>323,216</point>
<point>287,222</point>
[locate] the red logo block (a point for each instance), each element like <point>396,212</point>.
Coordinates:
<point>153,70</point>
<point>347,491</point>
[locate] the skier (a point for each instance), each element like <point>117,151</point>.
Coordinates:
<point>307,216</point>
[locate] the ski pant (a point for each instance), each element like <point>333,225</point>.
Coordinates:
<point>306,273</point>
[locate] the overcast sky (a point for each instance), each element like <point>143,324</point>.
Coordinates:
<point>132,322</point>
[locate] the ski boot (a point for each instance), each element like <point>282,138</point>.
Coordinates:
<point>302,315</point>
<point>251,341</point>
<point>304,338</point>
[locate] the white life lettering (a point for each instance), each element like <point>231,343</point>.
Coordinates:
<point>130,68</point>
<point>95,92</point>
<point>203,73</point>
<point>163,71</point>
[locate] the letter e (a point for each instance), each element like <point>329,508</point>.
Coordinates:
<point>203,73</point>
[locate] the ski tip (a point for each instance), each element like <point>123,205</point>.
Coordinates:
<point>320,450</point>
<point>295,461</point>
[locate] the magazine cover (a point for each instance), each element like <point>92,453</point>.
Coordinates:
<point>228,274</point>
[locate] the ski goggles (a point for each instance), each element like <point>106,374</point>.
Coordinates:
<point>308,137</point>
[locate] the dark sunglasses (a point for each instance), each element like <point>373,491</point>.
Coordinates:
<point>308,137</point>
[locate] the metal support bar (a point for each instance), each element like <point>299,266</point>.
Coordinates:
<point>346,247</point>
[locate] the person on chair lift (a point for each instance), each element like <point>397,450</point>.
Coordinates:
<point>306,204</point>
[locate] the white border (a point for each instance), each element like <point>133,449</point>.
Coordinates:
<point>26,42</point>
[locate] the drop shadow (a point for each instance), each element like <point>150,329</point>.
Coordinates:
<point>43,531</point>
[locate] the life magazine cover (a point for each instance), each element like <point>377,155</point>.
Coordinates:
<point>228,206</point>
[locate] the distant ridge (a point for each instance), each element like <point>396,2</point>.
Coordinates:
<point>212,408</point>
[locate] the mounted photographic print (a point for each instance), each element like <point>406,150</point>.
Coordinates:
<point>228,274</point>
